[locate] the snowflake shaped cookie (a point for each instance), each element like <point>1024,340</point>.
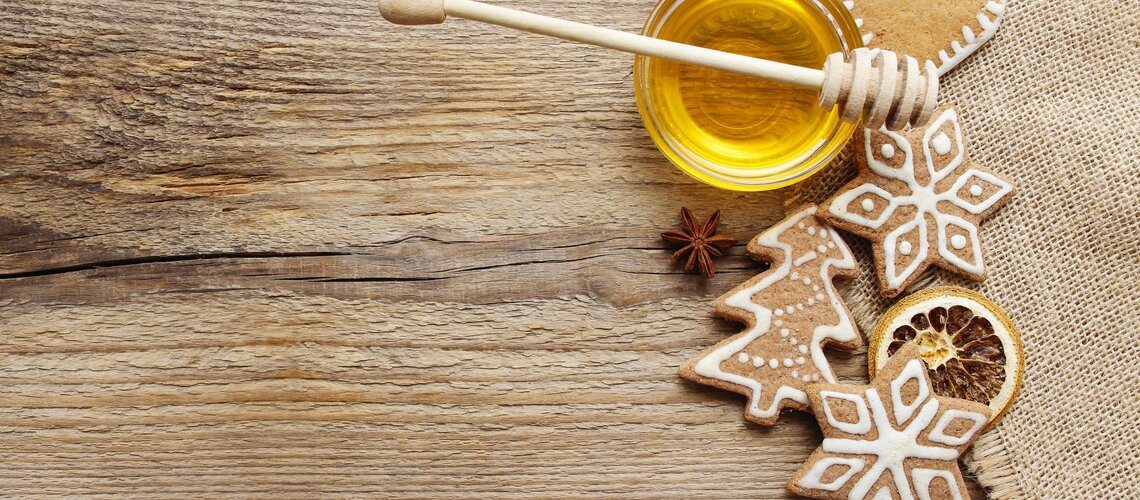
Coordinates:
<point>920,199</point>
<point>893,438</point>
<point>791,311</point>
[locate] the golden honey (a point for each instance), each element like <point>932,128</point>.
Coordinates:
<point>735,131</point>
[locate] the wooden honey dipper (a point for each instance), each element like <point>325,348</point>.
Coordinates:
<point>873,85</point>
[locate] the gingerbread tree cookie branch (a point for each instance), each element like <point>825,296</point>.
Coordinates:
<point>792,312</point>
<point>893,438</point>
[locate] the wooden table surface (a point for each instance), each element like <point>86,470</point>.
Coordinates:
<point>283,248</point>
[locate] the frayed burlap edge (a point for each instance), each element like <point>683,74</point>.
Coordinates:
<point>990,462</point>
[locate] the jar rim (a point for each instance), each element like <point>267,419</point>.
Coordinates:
<point>728,177</point>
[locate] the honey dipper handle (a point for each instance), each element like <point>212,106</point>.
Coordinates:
<point>434,11</point>
<point>858,86</point>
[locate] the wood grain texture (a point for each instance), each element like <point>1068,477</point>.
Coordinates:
<point>282,249</point>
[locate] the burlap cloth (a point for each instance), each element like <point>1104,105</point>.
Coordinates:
<point>1053,101</point>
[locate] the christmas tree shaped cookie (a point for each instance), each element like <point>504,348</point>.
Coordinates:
<point>792,312</point>
<point>920,199</point>
<point>893,438</point>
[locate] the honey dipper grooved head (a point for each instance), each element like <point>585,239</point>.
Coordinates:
<point>881,87</point>
<point>413,11</point>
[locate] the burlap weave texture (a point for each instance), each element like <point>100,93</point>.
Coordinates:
<point>1053,101</point>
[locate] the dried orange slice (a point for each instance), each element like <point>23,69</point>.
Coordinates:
<point>971,348</point>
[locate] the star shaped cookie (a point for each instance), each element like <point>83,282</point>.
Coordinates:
<point>792,312</point>
<point>893,438</point>
<point>919,199</point>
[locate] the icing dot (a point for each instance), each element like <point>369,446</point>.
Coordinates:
<point>806,378</point>
<point>772,363</point>
<point>822,249</point>
<point>811,301</point>
<point>941,143</point>
<point>807,280</point>
<point>788,362</point>
<point>831,244</point>
<point>800,306</point>
<point>819,296</point>
<point>792,341</point>
<point>904,248</point>
<point>811,231</point>
<point>757,362</point>
<point>958,241</point>
<point>815,376</point>
<point>801,224</point>
<point>822,233</point>
<point>795,276</point>
<point>803,349</point>
<point>976,190</point>
<point>778,322</point>
<point>795,373</point>
<point>742,357</point>
<point>778,312</point>
<point>868,205</point>
<point>800,360</point>
<point>784,332</point>
<point>815,288</point>
<point>888,151</point>
<point>790,309</point>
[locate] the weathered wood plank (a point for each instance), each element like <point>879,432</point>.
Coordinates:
<point>283,249</point>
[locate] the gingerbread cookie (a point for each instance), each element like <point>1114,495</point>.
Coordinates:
<point>945,32</point>
<point>919,199</point>
<point>893,438</point>
<point>792,312</point>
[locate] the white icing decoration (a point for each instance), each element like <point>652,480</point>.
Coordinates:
<point>778,322</point>
<point>884,493</point>
<point>805,258</point>
<point>807,280</point>
<point>974,266</point>
<point>772,363</point>
<point>938,435</point>
<point>806,378</point>
<point>892,446</point>
<point>822,233</point>
<point>914,370</point>
<point>800,307</point>
<point>976,176</point>
<point>811,231</point>
<point>788,362</point>
<point>800,360</point>
<point>742,357</point>
<point>811,300</point>
<point>757,361</point>
<point>814,477</point>
<point>861,425</point>
<point>958,241</point>
<point>795,275</point>
<point>844,331</point>
<point>888,152</point>
<point>839,206</point>
<point>784,332</point>
<point>790,309</point>
<point>803,349</point>
<point>921,479</point>
<point>941,143</point>
<point>815,377</point>
<point>925,200</point>
<point>822,248</point>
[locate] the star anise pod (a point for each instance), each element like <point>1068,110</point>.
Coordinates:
<point>699,241</point>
